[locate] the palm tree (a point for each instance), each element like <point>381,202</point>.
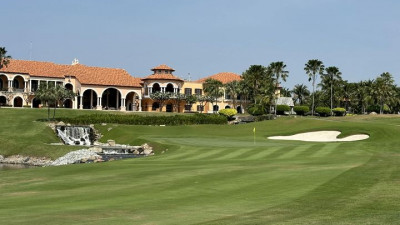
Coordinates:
<point>332,76</point>
<point>213,88</point>
<point>312,68</point>
<point>233,89</point>
<point>4,59</point>
<point>278,71</point>
<point>300,92</point>
<point>384,89</point>
<point>256,77</point>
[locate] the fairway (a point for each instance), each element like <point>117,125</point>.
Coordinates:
<point>208,174</point>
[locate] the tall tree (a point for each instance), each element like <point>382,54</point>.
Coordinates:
<point>190,100</point>
<point>257,77</point>
<point>384,88</point>
<point>177,99</point>
<point>4,58</point>
<point>301,93</point>
<point>213,88</point>
<point>277,69</point>
<point>332,77</point>
<point>312,68</point>
<point>233,89</point>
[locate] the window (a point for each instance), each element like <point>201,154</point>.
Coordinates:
<point>200,108</point>
<point>188,107</point>
<point>188,91</point>
<point>198,91</point>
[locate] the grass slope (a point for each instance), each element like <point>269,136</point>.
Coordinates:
<point>212,175</point>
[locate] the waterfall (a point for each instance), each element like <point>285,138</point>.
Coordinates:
<point>74,135</point>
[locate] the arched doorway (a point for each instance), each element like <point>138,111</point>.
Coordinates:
<point>89,99</point>
<point>239,109</point>
<point>69,87</point>
<point>155,106</point>
<point>156,88</point>
<point>227,107</point>
<point>18,82</point>
<point>68,104</point>
<point>3,101</point>
<point>111,99</point>
<point>169,88</point>
<point>3,83</point>
<point>215,108</point>
<point>132,101</point>
<point>18,101</point>
<point>36,103</point>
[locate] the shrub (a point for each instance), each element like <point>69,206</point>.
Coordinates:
<point>373,108</point>
<point>229,113</point>
<point>281,109</point>
<point>146,120</point>
<point>323,111</point>
<point>264,117</point>
<point>339,111</point>
<point>256,110</point>
<point>301,110</point>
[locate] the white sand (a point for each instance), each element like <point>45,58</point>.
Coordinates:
<point>321,136</point>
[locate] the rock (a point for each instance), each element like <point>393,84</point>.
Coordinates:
<point>1,158</point>
<point>96,149</point>
<point>76,157</point>
<point>136,152</point>
<point>104,124</point>
<point>61,123</point>
<point>148,152</point>
<point>111,142</point>
<point>373,113</point>
<point>110,128</point>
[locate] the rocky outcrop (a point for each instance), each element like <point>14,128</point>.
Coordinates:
<point>79,156</point>
<point>26,160</point>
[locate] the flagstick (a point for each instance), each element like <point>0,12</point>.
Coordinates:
<point>254,135</point>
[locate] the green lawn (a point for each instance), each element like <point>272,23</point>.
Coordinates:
<point>210,174</point>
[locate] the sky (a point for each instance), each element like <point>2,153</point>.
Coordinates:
<point>204,37</point>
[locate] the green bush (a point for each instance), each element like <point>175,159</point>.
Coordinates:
<point>229,113</point>
<point>281,109</point>
<point>323,111</point>
<point>373,108</point>
<point>301,110</point>
<point>256,110</point>
<point>264,117</point>
<point>339,111</point>
<point>146,120</point>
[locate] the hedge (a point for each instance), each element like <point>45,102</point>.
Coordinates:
<point>339,111</point>
<point>301,110</point>
<point>264,117</point>
<point>281,109</point>
<point>323,111</point>
<point>146,120</point>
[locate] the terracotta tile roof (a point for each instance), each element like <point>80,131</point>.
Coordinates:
<point>162,77</point>
<point>224,77</point>
<point>162,67</point>
<point>85,74</point>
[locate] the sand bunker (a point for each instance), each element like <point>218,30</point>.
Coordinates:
<point>321,136</point>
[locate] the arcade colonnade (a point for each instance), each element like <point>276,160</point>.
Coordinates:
<point>108,98</point>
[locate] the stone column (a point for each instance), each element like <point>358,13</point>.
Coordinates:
<point>123,108</point>
<point>25,86</point>
<point>99,107</point>
<point>81,105</point>
<point>140,105</point>
<point>163,89</point>
<point>75,103</point>
<point>10,85</point>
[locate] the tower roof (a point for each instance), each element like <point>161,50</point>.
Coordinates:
<point>162,67</point>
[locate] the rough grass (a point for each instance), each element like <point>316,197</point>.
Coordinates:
<point>211,174</point>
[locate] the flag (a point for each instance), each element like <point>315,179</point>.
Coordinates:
<point>254,130</point>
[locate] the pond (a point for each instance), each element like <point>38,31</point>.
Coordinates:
<point>14,166</point>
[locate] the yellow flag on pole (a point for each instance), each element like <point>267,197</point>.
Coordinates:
<point>254,130</point>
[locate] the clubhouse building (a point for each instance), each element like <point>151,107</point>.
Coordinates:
<point>100,88</point>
